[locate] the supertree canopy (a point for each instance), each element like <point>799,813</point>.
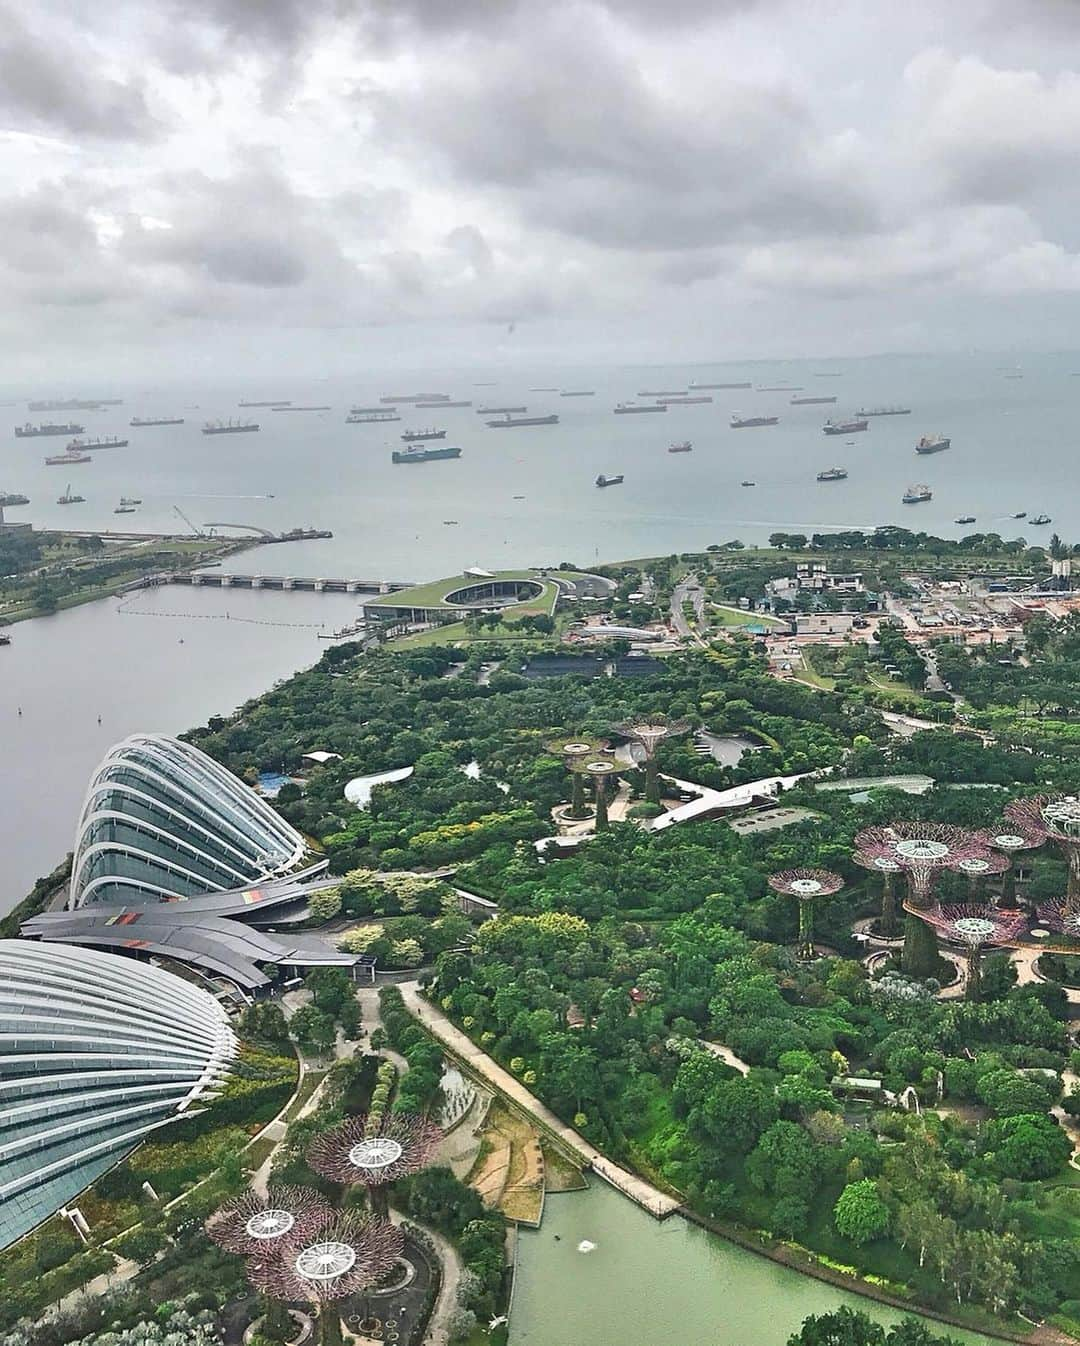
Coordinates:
<point>1054,818</point>
<point>346,1257</point>
<point>921,850</point>
<point>888,869</point>
<point>975,927</point>
<point>572,749</point>
<point>1011,843</point>
<point>252,1224</point>
<point>1062,915</point>
<point>806,885</point>
<point>978,867</point>
<point>650,733</point>
<point>597,767</point>
<point>375,1152</point>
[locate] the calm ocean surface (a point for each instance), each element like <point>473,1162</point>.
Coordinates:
<point>1013,448</point>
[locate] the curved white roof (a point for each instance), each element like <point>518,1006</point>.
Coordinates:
<point>162,820</point>
<point>95,1052</point>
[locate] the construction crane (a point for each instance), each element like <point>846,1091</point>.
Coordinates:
<point>197,531</point>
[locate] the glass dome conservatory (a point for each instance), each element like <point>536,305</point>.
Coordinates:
<point>96,1052</point>
<point>162,821</point>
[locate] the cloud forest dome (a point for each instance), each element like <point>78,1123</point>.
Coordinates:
<point>161,821</point>
<point>96,1052</point>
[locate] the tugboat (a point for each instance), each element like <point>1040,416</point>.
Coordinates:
<point>932,444</point>
<point>1039,519</point>
<point>915,495</point>
<point>965,518</point>
<point>844,427</point>
<point>684,446</point>
<point>601,480</point>
<point>833,474</point>
<point>748,422</point>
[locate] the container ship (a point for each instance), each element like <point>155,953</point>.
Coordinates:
<point>415,436</point>
<point>140,422</point>
<point>29,431</point>
<point>684,400</point>
<point>932,444</point>
<point>415,454</point>
<point>501,411</point>
<point>810,401</point>
<point>712,387</point>
<point>635,408</point>
<point>511,421</point>
<point>75,404</point>
<point>884,411</point>
<point>109,442</point>
<point>833,474</point>
<point>368,416</point>
<point>748,422</point>
<point>684,446</point>
<point>229,427</point>
<point>844,427</point>
<point>915,495</point>
<point>64,459</point>
<point>602,481</point>
<point>264,404</point>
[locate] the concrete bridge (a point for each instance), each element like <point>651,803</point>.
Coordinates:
<point>216,579</point>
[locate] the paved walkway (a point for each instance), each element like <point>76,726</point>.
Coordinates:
<point>727,1056</point>
<point>637,1189</point>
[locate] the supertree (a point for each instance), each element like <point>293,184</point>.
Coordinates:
<point>597,767</point>
<point>375,1151</point>
<point>1054,818</point>
<point>975,927</point>
<point>572,750</point>
<point>806,885</point>
<point>344,1258</point>
<point>921,850</point>
<point>1011,844</point>
<point>1062,915</point>
<point>979,867</point>
<point>888,869</point>
<point>650,734</point>
<point>252,1224</point>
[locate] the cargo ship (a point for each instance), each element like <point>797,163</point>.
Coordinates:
<point>531,390</point>
<point>416,397</point>
<point>265,404</point>
<point>833,474</point>
<point>140,422</point>
<point>1039,519</point>
<point>810,401</point>
<point>29,431</point>
<point>915,495</point>
<point>288,406</point>
<point>664,392</point>
<point>512,421</point>
<point>75,404</point>
<point>713,387</point>
<point>843,427</point>
<point>578,392</point>
<point>932,444</point>
<point>779,388</point>
<point>109,442</point>
<point>748,422</point>
<point>129,500</point>
<point>366,417</point>
<point>13,498</point>
<point>884,411</point>
<point>229,427</point>
<point>684,446</point>
<point>62,459</point>
<point>965,518</point>
<point>684,401</point>
<point>68,499</point>
<point>635,408</point>
<point>415,436</point>
<point>414,454</point>
<point>441,402</point>
<point>601,480</point>
<point>501,411</point>
<point>124,509</point>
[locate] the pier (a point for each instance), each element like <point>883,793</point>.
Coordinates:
<point>215,579</point>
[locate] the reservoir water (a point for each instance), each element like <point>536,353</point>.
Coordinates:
<point>643,1283</point>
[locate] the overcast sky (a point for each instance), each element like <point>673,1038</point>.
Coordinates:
<point>324,184</point>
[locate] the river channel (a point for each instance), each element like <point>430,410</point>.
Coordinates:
<point>643,1283</point>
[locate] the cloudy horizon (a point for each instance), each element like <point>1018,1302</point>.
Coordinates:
<point>236,185</point>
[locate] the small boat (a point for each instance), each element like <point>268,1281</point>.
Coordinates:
<point>915,495</point>
<point>1020,514</point>
<point>128,500</point>
<point>747,483</point>
<point>833,474</point>
<point>601,480</point>
<point>1040,518</point>
<point>519,497</point>
<point>684,446</point>
<point>124,509</point>
<point>965,518</point>
<point>449,522</point>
